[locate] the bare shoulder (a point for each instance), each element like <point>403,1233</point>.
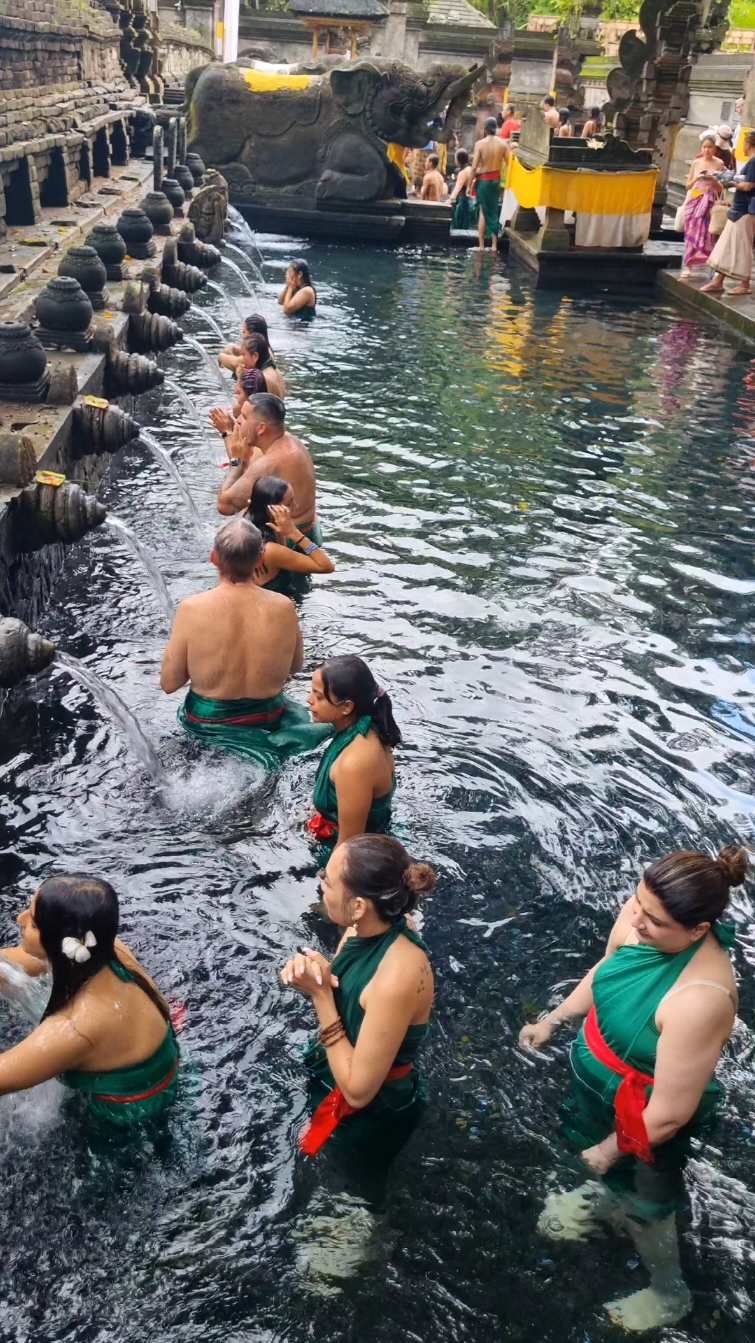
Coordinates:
<point>622,928</point>
<point>404,965</point>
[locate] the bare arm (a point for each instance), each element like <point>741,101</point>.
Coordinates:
<point>304,298</point>
<point>236,491</point>
<point>232,361</point>
<point>688,1050</point>
<point>354,793</point>
<point>282,557</point>
<point>297,661</point>
<point>283,293</point>
<point>174,672</point>
<point>476,159</point>
<point>425,191</point>
<point>53,1047</point>
<point>29,964</point>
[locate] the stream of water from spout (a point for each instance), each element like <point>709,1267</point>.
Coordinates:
<point>231,247</point>
<point>218,289</point>
<point>165,459</point>
<point>247,243</point>
<point>209,319</point>
<point>188,404</point>
<point>138,548</point>
<point>113,705</point>
<point>227,262</point>
<point>209,361</point>
<point>27,994</point>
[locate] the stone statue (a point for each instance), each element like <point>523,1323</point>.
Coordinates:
<point>320,138</point>
<point>209,208</point>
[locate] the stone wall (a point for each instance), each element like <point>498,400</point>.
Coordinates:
<point>181,52</point>
<point>64,104</point>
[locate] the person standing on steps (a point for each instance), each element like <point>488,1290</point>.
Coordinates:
<point>258,445</point>
<point>658,1010</point>
<point>732,255</point>
<point>356,776</point>
<point>373,1003</point>
<point>489,155</point>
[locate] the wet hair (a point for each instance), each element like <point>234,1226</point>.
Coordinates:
<point>266,491</point>
<point>253,382</point>
<point>378,868</point>
<point>549,101</point>
<point>433,160</point>
<point>72,907</point>
<point>302,269</point>
<point>563,115</point>
<point>693,887</point>
<point>462,158</point>
<point>270,408</point>
<point>499,118</point>
<point>238,546</point>
<point>257,344</point>
<point>491,126</point>
<point>349,677</point>
<point>595,114</point>
<point>256,324</point>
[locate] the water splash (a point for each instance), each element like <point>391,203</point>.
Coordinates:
<point>209,319</point>
<point>165,459</point>
<point>27,993</point>
<point>231,247</point>
<point>218,289</point>
<point>111,702</point>
<point>209,361</point>
<point>188,404</point>
<point>138,548</point>
<point>241,275</point>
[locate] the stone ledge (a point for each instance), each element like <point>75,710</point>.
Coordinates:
<point>737,314</point>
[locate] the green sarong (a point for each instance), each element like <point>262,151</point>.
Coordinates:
<point>465,212</point>
<point>265,730</point>
<point>379,1130</point>
<point>283,582</point>
<point>488,193</point>
<point>627,989</point>
<point>324,824</point>
<point>127,1096</point>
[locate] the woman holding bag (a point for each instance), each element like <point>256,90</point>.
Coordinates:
<point>732,254</point>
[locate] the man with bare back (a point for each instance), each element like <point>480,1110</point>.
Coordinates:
<point>489,155</point>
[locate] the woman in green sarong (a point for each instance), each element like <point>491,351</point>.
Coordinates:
<point>356,777</point>
<point>658,1009</point>
<point>464,213</point>
<point>288,552</point>
<point>373,1003</point>
<point>106,1031</point>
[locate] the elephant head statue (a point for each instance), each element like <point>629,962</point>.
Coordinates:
<point>402,105</point>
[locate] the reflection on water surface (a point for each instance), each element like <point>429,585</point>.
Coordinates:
<point>541,510</point>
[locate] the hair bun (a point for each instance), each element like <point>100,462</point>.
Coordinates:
<point>419,878</point>
<point>734,864</point>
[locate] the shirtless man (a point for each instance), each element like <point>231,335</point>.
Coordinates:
<point>550,112</point>
<point>258,445</point>
<point>237,645</point>
<point>236,641</point>
<point>433,185</point>
<point>489,155</point>
<point>255,353</point>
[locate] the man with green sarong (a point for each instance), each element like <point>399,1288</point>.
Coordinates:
<point>238,644</point>
<point>258,445</point>
<point>489,154</point>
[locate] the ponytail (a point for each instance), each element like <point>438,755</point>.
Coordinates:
<point>349,678</point>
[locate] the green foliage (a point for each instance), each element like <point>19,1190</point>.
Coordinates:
<point>742,14</point>
<point>569,10</point>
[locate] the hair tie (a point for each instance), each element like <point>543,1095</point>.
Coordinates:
<point>379,693</point>
<point>77,949</point>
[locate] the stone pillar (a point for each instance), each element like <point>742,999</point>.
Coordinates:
<point>157,158</point>
<point>555,236</point>
<point>181,141</point>
<point>394,43</point>
<point>172,146</point>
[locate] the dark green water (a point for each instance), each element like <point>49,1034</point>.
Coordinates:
<point>541,510</point>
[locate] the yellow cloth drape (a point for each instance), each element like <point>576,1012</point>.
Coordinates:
<point>396,155</point>
<point>442,152</point>
<point>584,191</point>
<point>739,144</point>
<point>260,81</point>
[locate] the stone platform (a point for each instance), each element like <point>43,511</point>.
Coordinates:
<point>615,271</point>
<point>736,314</point>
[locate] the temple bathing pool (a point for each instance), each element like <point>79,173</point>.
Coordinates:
<point>542,512</point>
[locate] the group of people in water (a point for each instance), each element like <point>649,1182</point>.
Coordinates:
<point>655,1011</point>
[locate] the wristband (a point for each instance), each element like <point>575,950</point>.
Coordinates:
<point>234,461</point>
<point>308,549</point>
<point>224,433</point>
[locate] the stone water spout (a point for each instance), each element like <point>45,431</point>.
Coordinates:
<point>149,331</point>
<point>22,653</point>
<point>193,252</point>
<point>99,427</point>
<point>46,514</point>
<point>131,373</point>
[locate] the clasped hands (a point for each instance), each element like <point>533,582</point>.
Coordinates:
<point>309,972</point>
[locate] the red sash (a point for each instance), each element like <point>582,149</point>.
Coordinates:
<point>322,829</point>
<point>332,1110</point>
<point>245,720</point>
<point>630,1100</point>
<point>143,1095</point>
<point>489,177</point>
